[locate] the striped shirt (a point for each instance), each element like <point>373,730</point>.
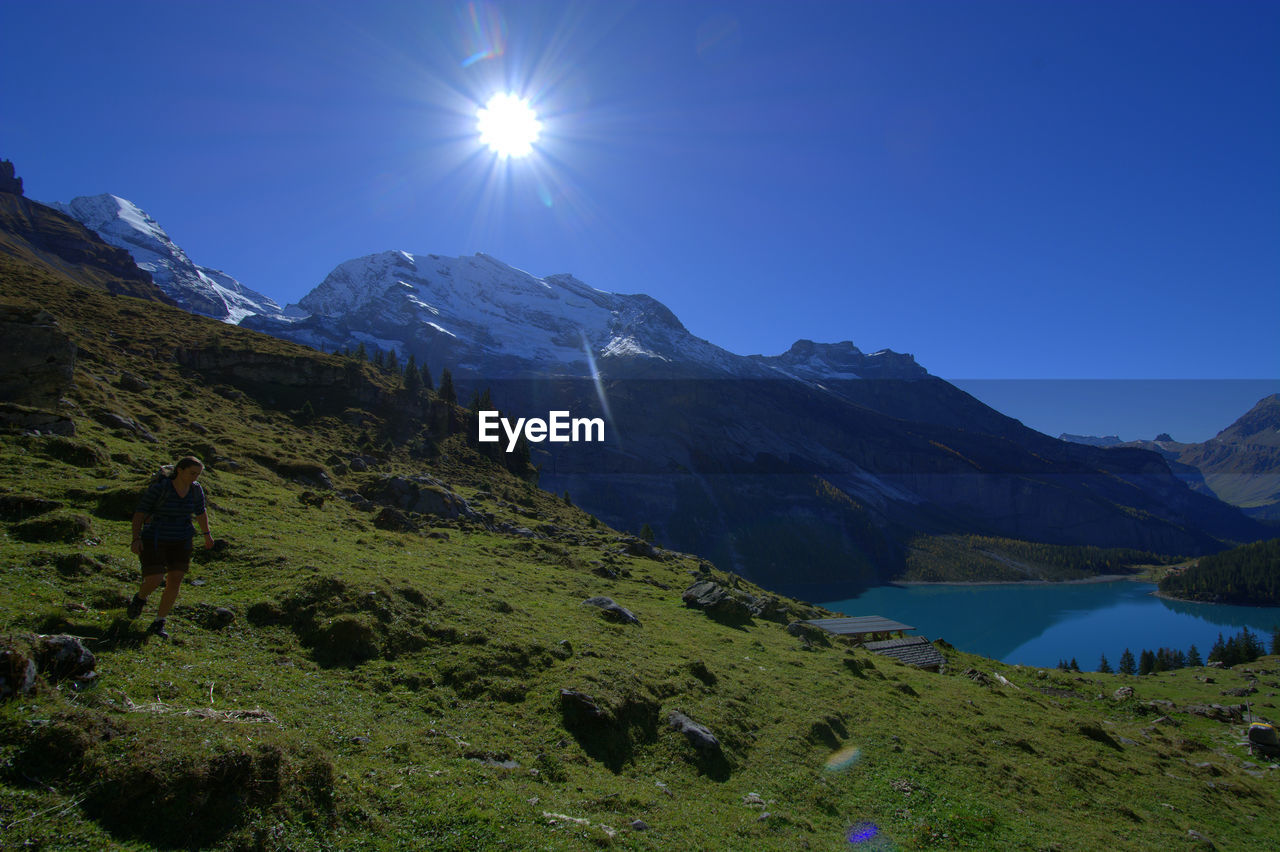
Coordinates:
<point>172,522</point>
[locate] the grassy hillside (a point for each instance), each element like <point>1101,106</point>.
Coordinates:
<point>380,689</point>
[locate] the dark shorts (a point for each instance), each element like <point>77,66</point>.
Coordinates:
<point>160,557</point>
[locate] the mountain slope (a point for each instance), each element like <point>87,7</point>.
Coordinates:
<point>198,289</point>
<point>48,240</point>
<point>1240,465</point>
<point>335,683</point>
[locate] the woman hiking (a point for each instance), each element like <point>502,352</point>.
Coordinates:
<point>162,535</point>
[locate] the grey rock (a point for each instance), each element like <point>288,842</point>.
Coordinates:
<point>130,382</point>
<point>612,610</point>
<point>699,736</point>
<point>65,656</point>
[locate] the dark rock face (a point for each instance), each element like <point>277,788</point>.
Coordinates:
<point>37,359</point>
<point>9,181</point>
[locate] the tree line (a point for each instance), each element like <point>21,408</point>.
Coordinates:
<point>1245,575</point>
<point>1244,647</point>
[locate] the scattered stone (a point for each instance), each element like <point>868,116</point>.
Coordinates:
<point>753,800</point>
<point>65,656</point>
<point>639,825</point>
<point>1123,693</point>
<point>1239,691</point>
<point>579,705</point>
<point>612,610</point>
<point>394,520</point>
<point>128,381</point>
<point>1217,712</point>
<point>118,421</point>
<point>422,494</point>
<point>17,673</point>
<point>809,634</point>
<point>717,601</point>
<point>698,736</point>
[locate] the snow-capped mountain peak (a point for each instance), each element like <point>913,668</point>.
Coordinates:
<point>487,311</point>
<point>199,289</point>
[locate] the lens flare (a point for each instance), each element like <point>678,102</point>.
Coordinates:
<point>482,33</point>
<point>843,759</point>
<point>863,832</point>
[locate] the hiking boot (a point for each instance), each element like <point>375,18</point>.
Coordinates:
<point>135,607</point>
<point>157,629</point>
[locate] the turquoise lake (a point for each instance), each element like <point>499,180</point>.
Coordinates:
<point>1039,624</point>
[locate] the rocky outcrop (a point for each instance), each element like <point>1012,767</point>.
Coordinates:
<point>25,657</point>
<point>9,181</point>
<point>37,358</point>
<point>424,495</point>
<point>733,605</point>
<point>37,363</point>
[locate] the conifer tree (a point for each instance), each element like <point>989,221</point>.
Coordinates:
<point>1275,640</point>
<point>1250,646</point>
<point>379,360</point>
<point>1104,667</point>
<point>646,532</point>
<point>361,352</point>
<point>1127,665</point>
<point>393,361</point>
<point>1146,662</point>
<point>427,381</point>
<point>412,376</point>
<point>447,393</point>
<point>1218,651</point>
<point>1193,657</point>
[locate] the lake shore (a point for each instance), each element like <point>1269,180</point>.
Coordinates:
<point>1100,578</point>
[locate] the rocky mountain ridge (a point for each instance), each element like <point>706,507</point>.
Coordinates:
<point>198,289</point>
<point>1240,465</point>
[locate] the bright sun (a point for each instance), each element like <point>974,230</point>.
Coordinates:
<point>508,125</point>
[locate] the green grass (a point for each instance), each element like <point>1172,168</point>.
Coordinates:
<point>382,690</point>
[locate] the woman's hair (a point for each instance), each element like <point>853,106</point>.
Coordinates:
<point>184,463</point>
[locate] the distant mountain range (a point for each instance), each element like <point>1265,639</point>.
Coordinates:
<point>814,467</point>
<point>1240,465</point>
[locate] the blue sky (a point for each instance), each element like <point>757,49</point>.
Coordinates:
<point>1007,190</point>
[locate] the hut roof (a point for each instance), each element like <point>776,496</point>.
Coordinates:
<point>912,650</point>
<point>860,625</point>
